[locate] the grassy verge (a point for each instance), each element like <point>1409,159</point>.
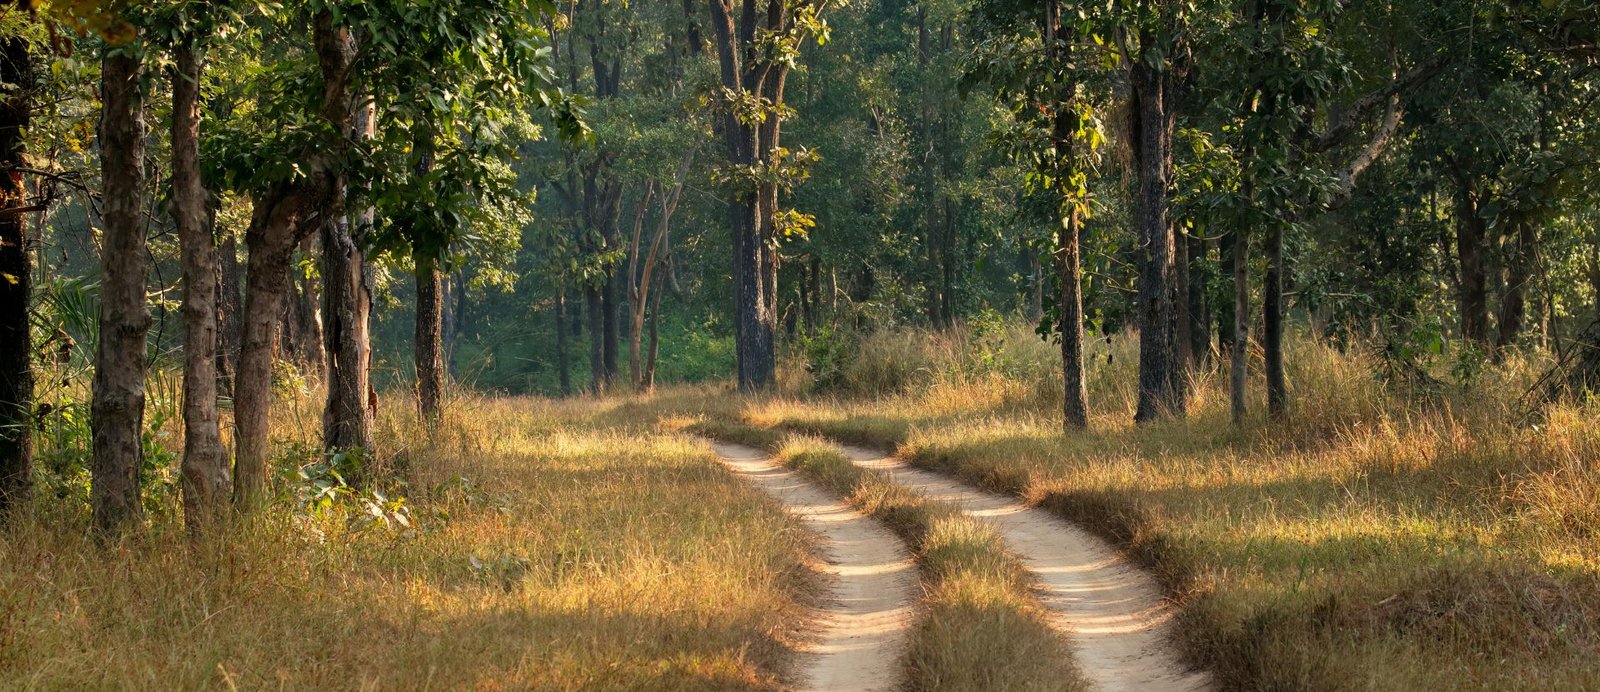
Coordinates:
<point>980,628</point>
<point>544,551</point>
<point>1374,539</point>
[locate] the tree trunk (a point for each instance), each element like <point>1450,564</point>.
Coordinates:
<point>207,480</point>
<point>596,319</point>
<point>563,367</point>
<point>16,276</point>
<point>117,412</point>
<point>753,325</point>
<point>655,340</point>
<point>230,289</point>
<point>429,337</point>
<point>346,420</point>
<point>1239,257</point>
<point>1069,268</point>
<point>1473,300</point>
<point>1272,323</point>
<point>305,340</point>
<point>1158,398</point>
<point>1199,307</point>
<point>1519,278</point>
<point>283,215</point>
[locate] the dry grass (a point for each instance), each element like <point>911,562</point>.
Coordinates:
<point>596,547</point>
<point>979,627</point>
<point>1374,539</point>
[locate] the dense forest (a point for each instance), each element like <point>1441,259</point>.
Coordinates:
<point>282,261</point>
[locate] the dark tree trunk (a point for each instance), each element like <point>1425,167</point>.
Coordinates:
<point>1239,258</point>
<point>563,367</point>
<point>596,319</point>
<point>284,215</point>
<point>1153,129</point>
<point>230,308</point>
<point>753,323</point>
<point>1272,324</point>
<point>119,379</point>
<point>429,338</point>
<point>207,478</point>
<point>16,275</point>
<point>347,303</point>
<point>1069,268</point>
<point>303,336</point>
<point>1199,305</point>
<point>1473,300</point>
<point>1519,278</point>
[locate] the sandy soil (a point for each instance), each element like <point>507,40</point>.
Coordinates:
<point>1113,612</point>
<point>863,626</point>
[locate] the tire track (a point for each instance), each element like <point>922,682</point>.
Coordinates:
<point>864,626</point>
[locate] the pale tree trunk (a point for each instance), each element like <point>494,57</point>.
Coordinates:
<point>207,480</point>
<point>644,289</point>
<point>283,215</point>
<point>117,412</point>
<point>16,275</point>
<point>563,366</point>
<point>429,337</point>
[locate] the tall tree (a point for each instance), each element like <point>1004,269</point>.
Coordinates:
<point>16,273</point>
<point>207,477</point>
<point>117,413</point>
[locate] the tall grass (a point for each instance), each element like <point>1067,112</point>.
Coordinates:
<point>544,547</point>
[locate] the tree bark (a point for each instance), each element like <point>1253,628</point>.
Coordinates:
<point>1272,323</point>
<point>1474,297</point>
<point>1200,351</point>
<point>347,310</point>
<point>1519,278</point>
<point>429,336</point>
<point>753,324</point>
<point>16,276</point>
<point>230,304</point>
<point>1239,257</point>
<point>1069,267</point>
<point>117,412</point>
<point>563,367</point>
<point>596,324</point>
<point>207,479</point>
<point>1153,129</point>
<point>284,214</point>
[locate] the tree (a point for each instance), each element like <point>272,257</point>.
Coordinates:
<point>756,54</point>
<point>207,477</point>
<point>16,274</point>
<point>119,381</point>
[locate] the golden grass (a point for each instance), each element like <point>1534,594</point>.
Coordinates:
<point>551,552</point>
<point>979,627</point>
<point>1374,539</point>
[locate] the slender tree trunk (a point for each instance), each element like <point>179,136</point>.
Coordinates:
<point>1158,398</point>
<point>1272,323</point>
<point>230,304</point>
<point>1199,306</point>
<point>563,367</point>
<point>16,276</point>
<point>306,343</point>
<point>596,318</point>
<point>1239,257</point>
<point>207,479</point>
<point>1069,268</point>
<point>429,337</point>
<point>655,340</point>
<point>1470,255</point>
<point>1519,271</point>
<point>753,326</point>
<point>117,412</point>
<point>284,215</point>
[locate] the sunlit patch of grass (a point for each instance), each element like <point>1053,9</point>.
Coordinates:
<point>552,549</point>
<point>1382,535</point>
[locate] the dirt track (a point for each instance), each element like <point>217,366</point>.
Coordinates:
<point>863,626</point>
<point>1112,611</point>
